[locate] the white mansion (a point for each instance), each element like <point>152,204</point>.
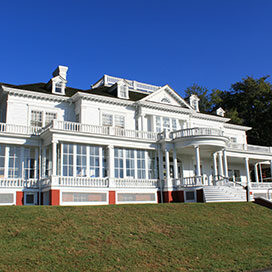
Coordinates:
<point>121,141</point>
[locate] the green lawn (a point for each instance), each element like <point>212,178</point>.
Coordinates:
<point>163,237</point>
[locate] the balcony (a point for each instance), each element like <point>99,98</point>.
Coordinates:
<point>78,128</point>
<point>102,130</point>
<point>19,129</point>
<point>197,136</point>
<point>250,148</point>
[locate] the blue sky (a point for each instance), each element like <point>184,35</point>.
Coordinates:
<point>213,43</point>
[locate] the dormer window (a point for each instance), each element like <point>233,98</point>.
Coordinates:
<point>122,90</point>
<point>58,87</point>
<point>58,82</point>
<point>194,102</point>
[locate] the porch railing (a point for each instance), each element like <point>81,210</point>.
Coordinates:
<point>19,129</point>
<point>252,148</point>
<point>17,182</point>
<point>198,131</point>
<point>126,183</point>
<point>83,182</point>
<point>103,130</point>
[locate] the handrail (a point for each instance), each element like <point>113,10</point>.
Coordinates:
<point>197,131</point>
<point>104,130</point>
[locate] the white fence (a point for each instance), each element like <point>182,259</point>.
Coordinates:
<point>143,183</point>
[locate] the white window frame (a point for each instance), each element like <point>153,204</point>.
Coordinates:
<point>44,111</point>
<point>159,123</point>
<point>114,122</point>
<point>54,86</point>
<point>122,91</point>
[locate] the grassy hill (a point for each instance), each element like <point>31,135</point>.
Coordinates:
<point>164,237</point>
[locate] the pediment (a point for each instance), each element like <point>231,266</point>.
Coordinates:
<point>166,95</point>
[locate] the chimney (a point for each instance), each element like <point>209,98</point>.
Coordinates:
<point>220,112</point>
<point>61,71</point>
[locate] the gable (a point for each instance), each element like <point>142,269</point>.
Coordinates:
<point>167,96</point>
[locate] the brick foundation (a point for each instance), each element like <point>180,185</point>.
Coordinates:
<point>112,198</point>
<point>54,197</point>
<point>19,198</point>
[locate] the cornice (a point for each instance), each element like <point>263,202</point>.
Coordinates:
<point>100,98</point>
<point>36,95</point>
<point>238,127</point>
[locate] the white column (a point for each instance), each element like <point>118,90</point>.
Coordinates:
<point>110,165</point>
<point>54,158</point>
<point>247,171</point>
<point>215,172</point>
<point>197,157</point>
<point>160,164</point>
<point>220,163</point>
<point>248,179</point>
<point>256,172</point>
<point>271,169</point>
<point>43,161</point>
<point>167,164</point>
<point>261,172</point>
<point>175,162</point>
<point>225,160</point>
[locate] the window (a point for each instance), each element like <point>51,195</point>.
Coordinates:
<point>119,121</point>
<point>13,166</point>
<point>151,164</point>
<point>2,160</point>
<point>130,163</point>
<point>81,161</point>
<point>118,163</point>
<point>68,157</point>
<point>165,100</point>
<point>158,124</point>
<point>233,139</point>
<point>122,91</point>
<point>49,117</point>
<point>36,118</point>
<point>174,124</point>
<point>29,163</point>
<point>29,198</point>
<point>166,123</point>
<point>94,161</point>
<point>113,120</point>
<point>58,87</point>
<point>107,119</point>
<point>40,118</point>
<point>141,164</point>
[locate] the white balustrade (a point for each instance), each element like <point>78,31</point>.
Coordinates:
<point>191,132</point>
<point>250,148</point>
<point>103,130</point>
<point>83,181</point>
<point>19,129</point>
<point>17,182</point>
<point>138,183</point>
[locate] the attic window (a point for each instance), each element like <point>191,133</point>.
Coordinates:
<point>122,91</point>
<point>165,100</point>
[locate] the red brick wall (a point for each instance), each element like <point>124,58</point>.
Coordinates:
<point>112,199</point>
<point>19,198</point>
<point>54,197</point>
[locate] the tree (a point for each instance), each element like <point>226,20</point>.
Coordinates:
<point>248,103</point>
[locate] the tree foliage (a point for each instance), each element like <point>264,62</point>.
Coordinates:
<point>248,103</point>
